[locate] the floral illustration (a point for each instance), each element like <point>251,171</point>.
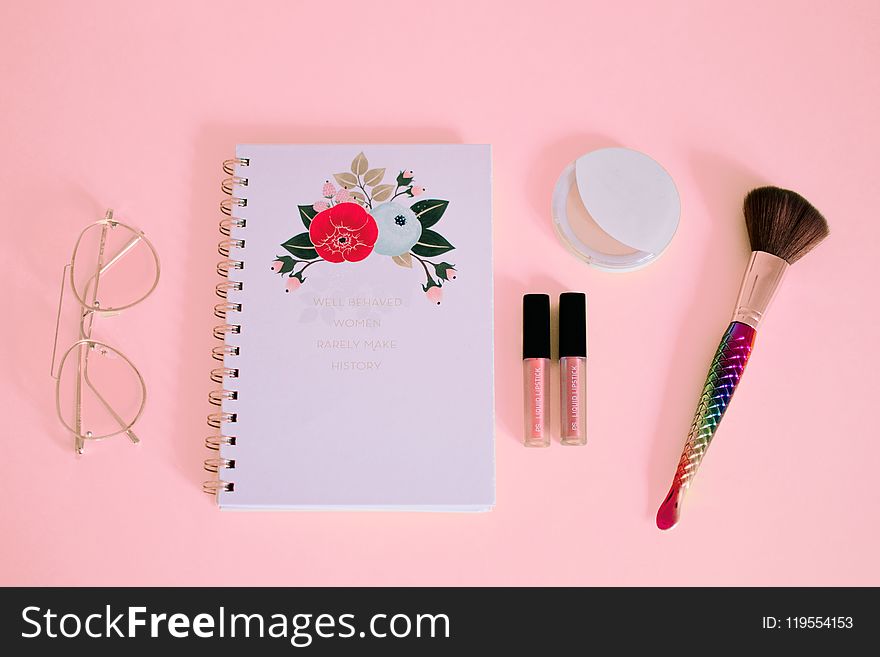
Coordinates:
<point>343,232</point>
<point>399,229</point>
<point>361,215</point>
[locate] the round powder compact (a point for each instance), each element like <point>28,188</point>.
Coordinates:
<point>616,209</point>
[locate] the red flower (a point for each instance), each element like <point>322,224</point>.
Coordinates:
<point>343,232</point>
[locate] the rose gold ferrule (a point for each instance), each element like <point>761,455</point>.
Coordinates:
<point>572,394</point>
<point>760,282</point>
<point>537,418</point>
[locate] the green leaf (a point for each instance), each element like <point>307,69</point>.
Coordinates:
<point>429,211</point>
<point>431,244</point>
<point>441,269</point>
<point>306,213</point>
<point>287,264</point>
<point>300,246</point>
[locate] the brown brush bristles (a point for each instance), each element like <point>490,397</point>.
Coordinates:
<point>783,222</point>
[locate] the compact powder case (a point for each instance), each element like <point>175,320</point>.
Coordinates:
<point>616,209</point>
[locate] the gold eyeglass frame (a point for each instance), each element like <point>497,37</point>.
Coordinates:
<point>90,307</point>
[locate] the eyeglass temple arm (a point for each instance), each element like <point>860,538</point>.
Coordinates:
<point>125,249</point>
<point>58,321</point>
<point>78,441</point>
<point>103,268</point>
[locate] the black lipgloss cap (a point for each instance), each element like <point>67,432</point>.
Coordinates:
<point>572,324</point>
<point>536,326</point>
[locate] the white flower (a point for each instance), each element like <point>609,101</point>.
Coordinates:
<point>399,229</point>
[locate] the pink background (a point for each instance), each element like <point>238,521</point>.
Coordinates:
<point>105,104</point>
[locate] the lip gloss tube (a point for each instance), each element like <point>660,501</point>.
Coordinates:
<point>536,369</point>
<point>573,367</point>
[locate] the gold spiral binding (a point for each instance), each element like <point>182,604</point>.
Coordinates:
<point>229,165</point>
<point>221,330</point>
<point>218,419</point>
<point>224,266</point>
<point>221,310</point>
<point>220,353</point>
<point>228,183</point>
<point>216,397</point>
<point>223,288</point>
<point>227,204</point>
<point>214,442</point>
<point>225,246</point>
<point>228,223</point>
<point>214,486</point>
<point>216,464</point>
<point>220,375</point>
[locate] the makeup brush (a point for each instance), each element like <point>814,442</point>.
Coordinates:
<point>783,227</point>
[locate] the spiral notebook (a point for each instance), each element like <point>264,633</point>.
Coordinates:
<point>356,343</point>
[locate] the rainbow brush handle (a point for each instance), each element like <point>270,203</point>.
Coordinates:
<point>724,375</point>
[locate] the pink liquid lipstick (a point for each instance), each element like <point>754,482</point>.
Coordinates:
<point>572,368</point>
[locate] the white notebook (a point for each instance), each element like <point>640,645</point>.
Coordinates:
<point>357,353</point>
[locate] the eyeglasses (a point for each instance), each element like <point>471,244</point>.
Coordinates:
<point>99,393</point>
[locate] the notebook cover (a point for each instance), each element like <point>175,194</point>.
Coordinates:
<point>366,361</point>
